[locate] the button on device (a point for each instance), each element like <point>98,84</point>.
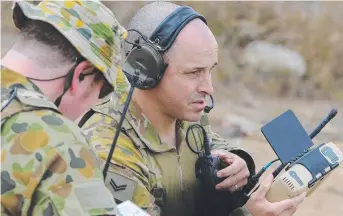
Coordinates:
<point>296,177</point>
<point>328,152</point>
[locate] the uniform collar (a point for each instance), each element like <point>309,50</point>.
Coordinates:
<point>25,91</point>
<point>136,119</point>
<point>147,132</point>
<point>10,78</point>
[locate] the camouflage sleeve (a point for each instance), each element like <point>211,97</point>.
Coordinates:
<point>49,169</point>
<point>128,176</point>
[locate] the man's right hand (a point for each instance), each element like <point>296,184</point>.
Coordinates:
<point>258,205</point>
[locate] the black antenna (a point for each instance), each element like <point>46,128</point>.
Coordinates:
<point>314,133</point>
<point>118,130</point>
<point>328,118</point>
<point>253,180</point>
<point>206,142</point>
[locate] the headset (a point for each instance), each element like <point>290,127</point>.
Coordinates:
<point>146,55</point>
<point>144,65</point>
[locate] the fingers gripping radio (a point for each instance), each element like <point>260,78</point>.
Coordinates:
<point>304,165</point>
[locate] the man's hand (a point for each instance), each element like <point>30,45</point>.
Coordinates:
<point>236,174</point>
<point>258,205</point>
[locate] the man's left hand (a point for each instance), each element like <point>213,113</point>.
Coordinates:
<point>236,173</point>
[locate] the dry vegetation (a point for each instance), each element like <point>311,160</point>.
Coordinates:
<point>313,29</point>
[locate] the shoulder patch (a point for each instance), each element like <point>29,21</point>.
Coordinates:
<point>91,195</point>
<point>121,187</point>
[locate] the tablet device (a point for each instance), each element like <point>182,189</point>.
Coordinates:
<point>286,136</point>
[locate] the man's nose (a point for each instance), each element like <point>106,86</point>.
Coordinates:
<point>206,84</point>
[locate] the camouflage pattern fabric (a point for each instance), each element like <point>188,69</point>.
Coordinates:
<point>47,164</point>
<point>152,174</point>
<point>89,25</point>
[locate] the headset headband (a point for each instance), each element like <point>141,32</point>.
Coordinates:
<point>168,30</point>
<point>146,58</point>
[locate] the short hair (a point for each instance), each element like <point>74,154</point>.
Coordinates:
<point>45,33</point>
<point>148,18</point>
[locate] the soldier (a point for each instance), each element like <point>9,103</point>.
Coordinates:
<point>152,165</point>
<point>67,52</point>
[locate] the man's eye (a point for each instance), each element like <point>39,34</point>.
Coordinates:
<point>194,72</point>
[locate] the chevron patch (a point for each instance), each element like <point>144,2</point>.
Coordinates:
<point>121,187</point>
<point>116,187</point>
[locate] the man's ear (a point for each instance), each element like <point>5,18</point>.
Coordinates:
<point>78,77</point>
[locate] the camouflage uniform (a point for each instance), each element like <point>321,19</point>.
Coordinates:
<point>47,164</point>
<point>151,173</point>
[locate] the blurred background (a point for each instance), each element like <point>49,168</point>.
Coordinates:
<point>273,56</point>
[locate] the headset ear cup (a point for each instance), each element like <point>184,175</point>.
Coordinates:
<point>149,61</point>
<point>151,82</point>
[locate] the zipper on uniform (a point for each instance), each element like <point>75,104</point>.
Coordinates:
<point>183,196</point>
<point>180,171</point>
<point>181,175</point>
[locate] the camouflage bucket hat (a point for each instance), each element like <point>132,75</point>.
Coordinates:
<point>89,26</point>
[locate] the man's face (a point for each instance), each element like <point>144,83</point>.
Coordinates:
<point>187,80</point>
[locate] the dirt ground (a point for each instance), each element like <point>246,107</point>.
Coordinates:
<point>328,198</point>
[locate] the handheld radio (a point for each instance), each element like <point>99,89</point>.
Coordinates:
<point>305,171</point>
<point>306,174</point>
